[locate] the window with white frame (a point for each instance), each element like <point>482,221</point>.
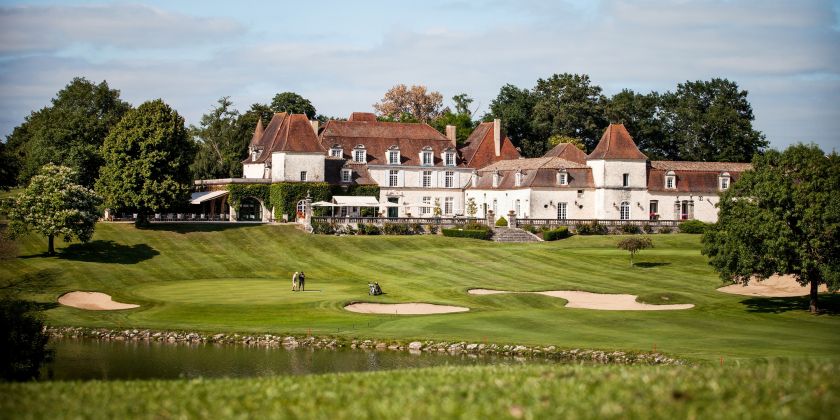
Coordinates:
<point>359,154</point>
<point>336,152</point>
<point>448,204</point>
<point>561,211</point>
<point>724,181</point>
<point>449,179</point>
<point>670,180</point>
<point>562,178</point>
<point>517,208</point>
<point>427,206</point>
<point>495,205</point>
<point>495,179</point>
<point>393,178</point>
<point>427,158</point>
<point>393,156</point>
<point>517,180</point>
<point>426,179</point>
<point>624,213</point>
<point>346,175</point>
<point>449,158</point>
<point>625,180</point>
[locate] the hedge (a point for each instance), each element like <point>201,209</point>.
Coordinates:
<point>467,233</point>
<point>693,226</point>
<point>561,232</point>
<point>285,196</point>
<point>593,228</point>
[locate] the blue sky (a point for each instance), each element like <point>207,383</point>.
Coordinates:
<point>344,55</point>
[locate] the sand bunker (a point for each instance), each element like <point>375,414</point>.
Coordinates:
<point>93,301</point>
<point>403,308</point>
<point>599,301</point>
<point>774,286</point>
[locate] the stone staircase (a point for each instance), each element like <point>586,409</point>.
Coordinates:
<point>509,234</point>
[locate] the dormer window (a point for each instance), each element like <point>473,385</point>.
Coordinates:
<point>518,179</point>
<point>336,151</point>
<point>449,157</point>
<point>495,179</point>
<point>427,157</point>
<point>359,154</point>
<point>670,180</point>
<point>562,177</point>
<point>254,155</point>
<point>346,175</point>
<point>723,181</point>
<point>394,155</point>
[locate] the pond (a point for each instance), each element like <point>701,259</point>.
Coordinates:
<point>86,359</point>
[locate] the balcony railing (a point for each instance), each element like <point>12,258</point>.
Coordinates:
<point>608,222</point>
<point>379,221</point>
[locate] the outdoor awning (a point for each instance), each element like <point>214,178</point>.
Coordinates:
<point>355,201</point>
<point>200,197</point>
<point>324,204</point>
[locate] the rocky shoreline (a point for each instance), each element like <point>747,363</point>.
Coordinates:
<point>326,342</point>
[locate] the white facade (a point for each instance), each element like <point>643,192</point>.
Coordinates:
<point>410,185</point>
<point>297,167</point>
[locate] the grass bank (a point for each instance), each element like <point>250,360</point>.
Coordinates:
<point>219,278</point>
<point>766,391</point>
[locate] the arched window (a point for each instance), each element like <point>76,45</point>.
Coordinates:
<point>723,181</point>
<point>624,211</point>
<point>670,180</point>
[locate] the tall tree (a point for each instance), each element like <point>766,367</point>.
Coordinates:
<point>461,118</point>
<point>640,114</point>
<point>415,101</point>
<point>147,158</point>
<point>23,341</point>
<point>712,121</point>
<point>221,142</point>
<point>515,107</point>
<point>292,103</point>
<point>54,205</point>
<point>8,167</point>
<point>569,105</point>
<point>781,217</point>
<point>69,132</point>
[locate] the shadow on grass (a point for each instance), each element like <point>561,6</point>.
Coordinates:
<point>29,282</point>
<point>197,227</point>
<point>108,252</point>
<point>650,264</point>
<point>828,304</point>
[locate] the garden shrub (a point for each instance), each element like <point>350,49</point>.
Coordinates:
<point>665,230</point>
<point>396,229</point>
<point>464,233</point>
<point>560,232</point>
<point>370,229</point>
<point>431,229</point>
<point>693,226</point>
<point>529,228</point>
<point>630,229</point>
<point>646,228</point>
<point>323,228</point>
<point>502,222</point>
<point>593,228</point>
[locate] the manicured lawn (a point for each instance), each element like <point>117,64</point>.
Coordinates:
<point>802,390</point>
<point>219,278</point>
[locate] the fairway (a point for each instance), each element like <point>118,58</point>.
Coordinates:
<point>220,278</point>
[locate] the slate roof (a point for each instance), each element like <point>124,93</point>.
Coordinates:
<point>616,143</point>
<point>480,148</point>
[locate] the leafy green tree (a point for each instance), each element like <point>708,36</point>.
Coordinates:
<point>556,139</point>
<point>222,142</point>
<point>635,244</point>
<point>147,158</point>
<point>292,103</point>
<point>54,205</point>
<point>781,217</point>
<point>711,121</point>
<point>23,341</point>
<point>415,101</point>
<point>569,105</point>
<point>8,167</point>
<point>462,104</point>
<point>461,118</point>
<point>515,106</point>
<point>640,114</point>
<point>69,132</point>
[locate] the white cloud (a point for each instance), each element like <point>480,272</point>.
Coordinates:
<point>34,29</point>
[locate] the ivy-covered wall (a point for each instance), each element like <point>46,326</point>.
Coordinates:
<point>236,192</point>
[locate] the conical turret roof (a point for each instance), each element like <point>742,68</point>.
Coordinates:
<point>616,143</point>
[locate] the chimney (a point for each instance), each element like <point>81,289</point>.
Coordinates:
<point>497,136</point>
<point>314,124</point>
<point>451,134</point>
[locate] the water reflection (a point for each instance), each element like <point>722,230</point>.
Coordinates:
<point>93,359</point>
